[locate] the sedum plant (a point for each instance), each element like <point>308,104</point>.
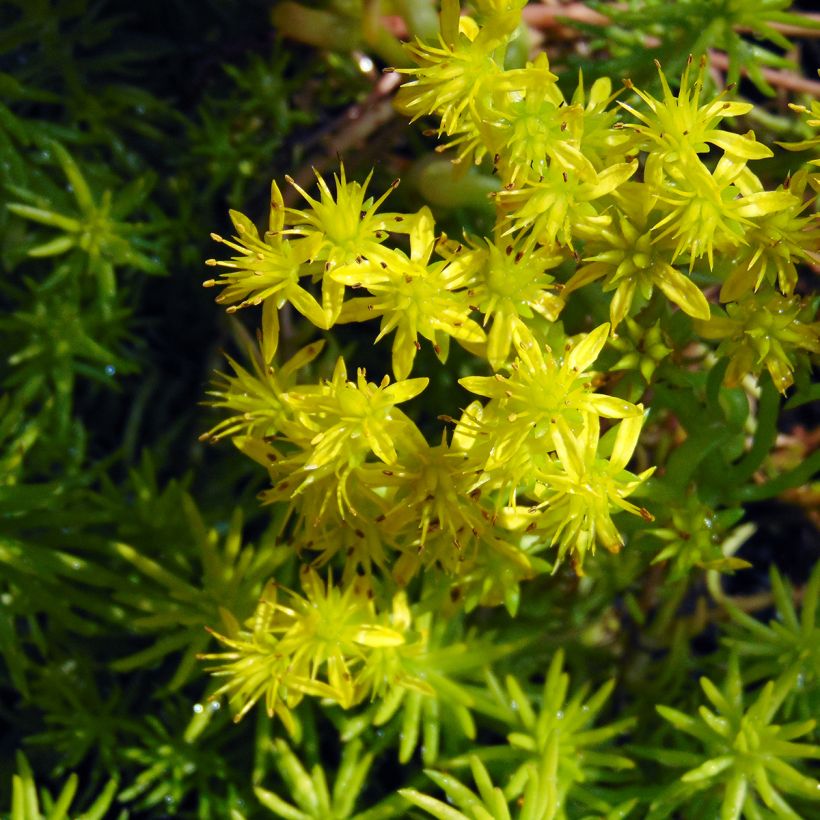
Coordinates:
<point>750,759</point>
<point>498,458</point>
<point>787,644</point>
<point>26,804</point>
<point>637,273</point>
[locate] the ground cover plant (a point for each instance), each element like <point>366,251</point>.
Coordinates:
<point>487,486</point>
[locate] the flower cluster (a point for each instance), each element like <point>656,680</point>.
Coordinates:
<point>515,476</point>
<point>309,645</point>
<point>571,179</point>
<point>345,643</point>
<point>644,211</point>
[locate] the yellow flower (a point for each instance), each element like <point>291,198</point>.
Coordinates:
<point>776,240</point>
<point>332,233</point>
<point>580,490</point>
<point>267,269</point>
<point>513,286</point>
<point>256,398</point>
<point>559,204</point>
<point>711,210</point>
<point>702,210</point>
<point>415,296</point>
<point>628,259</point>
<point>432,514</point>
<point>520,118</point>
<point>341,231</point>
<point>451,75</point>
<point>518,423</point>
<point>336,426</point>
<point>307,645</point>
<point>532,126</point>
<point>349,416</point>
<point>681,124</point>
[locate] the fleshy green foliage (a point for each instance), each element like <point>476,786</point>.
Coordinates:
<point>695,26</point>
<point>490,802</point>
<point>488,480</point>
<point>791,642</point>
<point>655,199</point>
<point>27,804</point>
<point>694,536</point>
<point>559,757</point>
<point>749,759</point>
<point>758,333</point>
<point>96,228</point>
<point>238,130</point>
<point>312,794</point>
<point>228,575</point>
<point>561,730</point>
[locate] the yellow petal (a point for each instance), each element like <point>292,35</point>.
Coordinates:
<point>244,227</point>
<point>276,218</point>
<point>626,440</point>
<point>404,352</point>
<point>682,291</point>
<point>378,636</point>
<point>307,305</point>
<point>743,147</point>
<point>357,310</point>
<point>484,386</point>
<point>405,390</point>
<point>422,235</point>
<point>499,339</point>
<point>587,350</point>
<point>766,202</point>
<point>611,178</point>
<point>570,452</point>
<point>270,330</point>
<point>302,357</point>
<point>380,442</point>
<point>611,407</point>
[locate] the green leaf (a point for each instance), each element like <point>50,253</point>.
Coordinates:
<point>54,247</point>
<point>431,805</point>
<point>79,187</point>
<point>45,217</point>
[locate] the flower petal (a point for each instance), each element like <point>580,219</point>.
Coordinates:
<point>405,390</point>
<point>743,147</point>
<point>682,291</point>
<point>587,350</point>
<point>625,441</point>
